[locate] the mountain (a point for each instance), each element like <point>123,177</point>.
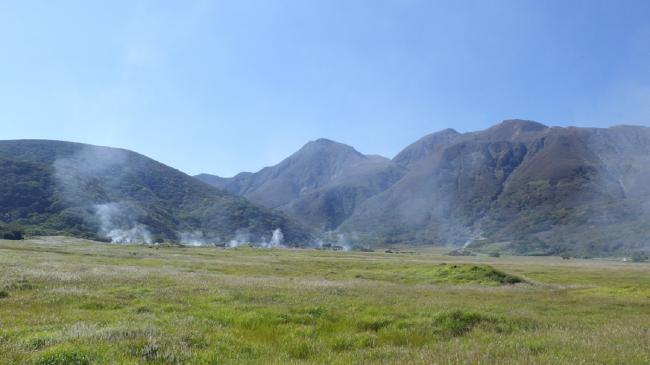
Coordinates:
<point>425,147</point>
<point>519,186</point>
<point>321,185</point>
<point>54,187</point>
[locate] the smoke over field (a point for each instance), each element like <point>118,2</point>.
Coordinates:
<point>92,175</point>
<point>119,223</point>
<point>276,240</point>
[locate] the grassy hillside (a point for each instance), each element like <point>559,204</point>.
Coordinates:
<point>67,301</point>
<point>52,187</point>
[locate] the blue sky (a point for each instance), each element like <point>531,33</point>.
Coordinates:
<point>229,86</point>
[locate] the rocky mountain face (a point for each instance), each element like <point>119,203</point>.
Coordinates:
<point>321,185</point>
<point>52,187</point>
<point>518,186</point>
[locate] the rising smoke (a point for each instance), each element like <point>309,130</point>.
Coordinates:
<point>117,222</point>
<point>198,238</point>
<point>97,179</point>
<point>276,241</point>
<point>92,174</point>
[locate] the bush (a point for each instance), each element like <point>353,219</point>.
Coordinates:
<point>475,274</point>
<point>639,257</point>
<point>460,252</point>
<point>11,233</point>
<point>373,323</point>
<point>66,356</point>
<point>458,322</point>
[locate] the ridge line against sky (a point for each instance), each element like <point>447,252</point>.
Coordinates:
<point>223,87</point>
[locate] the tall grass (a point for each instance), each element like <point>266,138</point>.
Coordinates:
<point>85,303</point>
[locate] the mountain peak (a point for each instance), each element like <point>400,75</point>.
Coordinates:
<point>522,125</point>
<point>446,132</point>
<point>324,142</point>
<point>424,146</point>
<point>327,146</point>
<point>513,128</point>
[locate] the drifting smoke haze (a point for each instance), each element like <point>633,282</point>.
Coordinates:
<point>276,241</point>
<point>342,241</point>
<point>87,166</point>
<point>90,167</point>
<point>197,239</point>
<point>334,240</point>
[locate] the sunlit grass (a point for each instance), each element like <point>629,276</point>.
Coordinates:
<point>82,303</point>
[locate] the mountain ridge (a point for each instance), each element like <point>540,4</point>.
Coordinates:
<point>321,184</point>
<point>536,188</point>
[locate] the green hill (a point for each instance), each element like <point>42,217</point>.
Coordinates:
<point>53,187</point>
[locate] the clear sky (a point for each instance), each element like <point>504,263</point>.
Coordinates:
<point>229,86</point>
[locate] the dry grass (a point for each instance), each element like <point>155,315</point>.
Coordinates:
<point>74,302</point>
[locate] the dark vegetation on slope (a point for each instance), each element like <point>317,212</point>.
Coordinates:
<point>51,187</point>
<point>11,232</point>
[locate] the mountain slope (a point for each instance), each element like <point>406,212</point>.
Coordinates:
<point>61,187</point>
<point>537,189</point>
<point>320,185</point>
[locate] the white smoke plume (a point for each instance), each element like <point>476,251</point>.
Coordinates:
<point>343,242</point>
<point>477,236</point>
<point>117,223</point>
<point>276,241</point>
<point>240,238</point>
<point>197,239</point>
<point>117,220</point>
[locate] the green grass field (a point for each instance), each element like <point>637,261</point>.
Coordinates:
<point>67,301</point>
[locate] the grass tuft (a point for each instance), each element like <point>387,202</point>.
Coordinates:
<point>64,356</point>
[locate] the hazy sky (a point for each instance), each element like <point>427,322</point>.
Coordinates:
<point>226,86</point>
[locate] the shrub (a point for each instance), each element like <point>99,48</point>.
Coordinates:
<point>64,356</point>
<point>460,252</point>
<point>373,324</point>
<point>476,274</point>
<point>38,342</point>
<point>11,233</point>
<point>457,322</point>
<point>638,257</point>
